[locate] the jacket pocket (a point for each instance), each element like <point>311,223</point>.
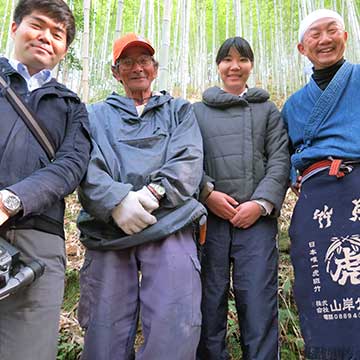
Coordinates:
<point>145,142</point>
<point>141,156</point>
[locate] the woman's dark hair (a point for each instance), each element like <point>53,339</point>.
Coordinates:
<point>237,42</point>
<point>57,10</point>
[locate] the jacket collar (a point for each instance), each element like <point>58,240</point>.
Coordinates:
<point>219,98</point>
<point>126,104</point>
<point>54,87</point>
<point>5,68</point>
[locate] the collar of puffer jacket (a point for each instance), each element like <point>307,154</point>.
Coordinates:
<point>217,97</point>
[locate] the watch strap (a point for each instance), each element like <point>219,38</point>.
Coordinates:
<point>154,192</point>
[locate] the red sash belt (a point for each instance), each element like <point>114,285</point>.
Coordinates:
<point>334,165</point>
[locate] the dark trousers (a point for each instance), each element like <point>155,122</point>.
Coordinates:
<point>254,256</point>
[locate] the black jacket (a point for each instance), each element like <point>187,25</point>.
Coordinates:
<point>24,167</point>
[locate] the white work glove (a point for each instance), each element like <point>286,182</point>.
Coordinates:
<point>147,199</point>
<point>130,216</point>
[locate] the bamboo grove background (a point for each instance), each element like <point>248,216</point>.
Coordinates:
<point>186,35</point>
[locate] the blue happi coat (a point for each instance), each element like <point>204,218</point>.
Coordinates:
<point>325,123</point>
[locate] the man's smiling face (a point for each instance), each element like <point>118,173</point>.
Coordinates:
<point>324,43</point>
<point>40,42</point>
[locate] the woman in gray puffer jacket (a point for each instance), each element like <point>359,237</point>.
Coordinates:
<point>246,168</point>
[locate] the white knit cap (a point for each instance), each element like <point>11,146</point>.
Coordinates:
<point>317,15</point>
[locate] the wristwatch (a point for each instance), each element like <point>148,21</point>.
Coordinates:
<point>157,190</point>
<point>11,203</point>
<point>263,208</point>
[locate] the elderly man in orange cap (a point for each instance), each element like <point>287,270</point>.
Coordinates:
<point>139,214</point>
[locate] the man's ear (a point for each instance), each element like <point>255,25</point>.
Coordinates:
<point>156,71</point>
<point>115,72</point>
<point>14,27</point>
<point>63,56</point>
<point>301,48</point>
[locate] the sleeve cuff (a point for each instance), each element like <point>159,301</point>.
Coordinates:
<point>206,191</point>
<point>266,206</point>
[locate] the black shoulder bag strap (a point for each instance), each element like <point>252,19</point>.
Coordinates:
<point>28,119</point>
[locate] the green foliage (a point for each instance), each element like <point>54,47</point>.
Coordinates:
<point>103,94</point>
<point>284,242</point>
<point>71,295</point>
<point>233,333</point>
<point>291,343</point>
<point>77,10</point>
<point>71,60</point>
<point>70,339</point>
<point>68,349</point>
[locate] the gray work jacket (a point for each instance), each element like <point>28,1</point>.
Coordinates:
<point>162,146</point>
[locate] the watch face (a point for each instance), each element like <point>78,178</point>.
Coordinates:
<point>159,189</point>
<point>12,203</point>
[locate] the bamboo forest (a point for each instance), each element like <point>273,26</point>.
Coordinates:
<point>186,35</point>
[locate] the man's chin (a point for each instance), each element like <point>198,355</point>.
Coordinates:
<point>45,64</point>
<point>139,88</point>
<point>328,62</point>
<point>34,68</point>
<point>42,56</point>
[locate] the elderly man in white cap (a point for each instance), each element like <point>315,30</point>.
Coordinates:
<point>323,121</point>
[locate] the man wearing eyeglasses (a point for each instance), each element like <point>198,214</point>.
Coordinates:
<point>139,210</point>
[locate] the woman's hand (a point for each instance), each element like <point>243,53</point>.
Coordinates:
<point>247,214</point>
<point>222,205</point>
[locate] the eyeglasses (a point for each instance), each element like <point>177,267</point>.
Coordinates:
<point>128,63</point>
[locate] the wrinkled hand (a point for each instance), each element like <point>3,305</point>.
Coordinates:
<point>221,205</point>
<point>147,199</point>
<point>247,214</point>
<point>296,188</point>
<point>130,215</point>
<point>3,216</point>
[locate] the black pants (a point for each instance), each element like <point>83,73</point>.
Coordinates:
<point>253,253</point>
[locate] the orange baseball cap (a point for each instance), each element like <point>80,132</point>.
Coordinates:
<point>128,40</point>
